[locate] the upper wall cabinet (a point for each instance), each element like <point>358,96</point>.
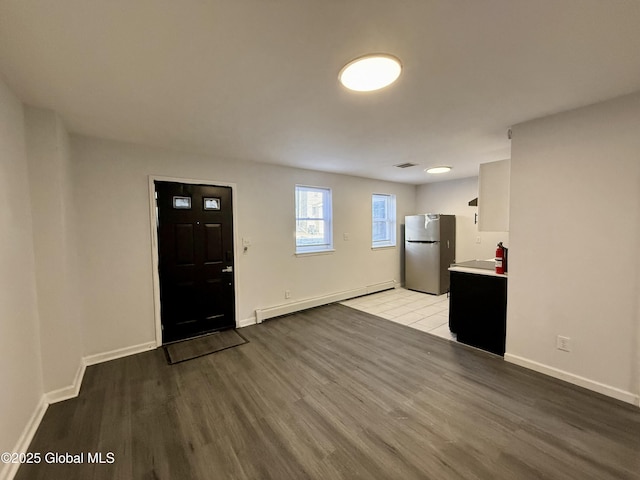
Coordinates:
<point>493,197</point>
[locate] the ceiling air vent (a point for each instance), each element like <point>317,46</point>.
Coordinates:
<point>406,165</point>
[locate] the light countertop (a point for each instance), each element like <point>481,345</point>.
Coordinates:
<point>477,267</point>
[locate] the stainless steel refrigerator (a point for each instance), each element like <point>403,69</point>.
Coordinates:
<point>430,248</point>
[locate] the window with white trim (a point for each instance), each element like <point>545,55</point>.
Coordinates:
<point>314,231</point>
<point>383,220</point>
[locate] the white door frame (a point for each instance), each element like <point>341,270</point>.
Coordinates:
<point>154,242</point>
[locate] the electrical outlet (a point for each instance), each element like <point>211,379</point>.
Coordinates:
<point>287,294</point>
<point>345,237</point>
<point>563,343</point>
<point>478,239</point>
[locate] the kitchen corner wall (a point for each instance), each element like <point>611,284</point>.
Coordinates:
<point>112,194</point>
<point>575,256</point>
<point>452,197</point>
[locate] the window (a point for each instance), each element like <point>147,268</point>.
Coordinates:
<point>383,213</point>
<point>313,219</point>
<point>182,202</point>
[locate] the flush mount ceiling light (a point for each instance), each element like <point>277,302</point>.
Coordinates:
<point>442,169</point>
<point>370,72</point>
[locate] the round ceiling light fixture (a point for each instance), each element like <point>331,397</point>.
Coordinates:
<point>441,169</point>
<point>370,72</point>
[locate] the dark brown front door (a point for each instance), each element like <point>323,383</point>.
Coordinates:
<point>195,252</point>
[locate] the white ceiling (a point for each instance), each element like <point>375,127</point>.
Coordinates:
<point>257,79</point>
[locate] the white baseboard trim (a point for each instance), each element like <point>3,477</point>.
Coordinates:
<point>602,388</point>
<point>72,391</point>
<point>68,392</point>
<point>119,353</point>
<point>247,322</point>
<point>285,308</point>
<point>10,469</point>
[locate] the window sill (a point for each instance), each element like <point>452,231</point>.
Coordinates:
<point>315,252</point>
<point>383,247</point>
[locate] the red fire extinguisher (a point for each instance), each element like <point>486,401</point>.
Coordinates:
<point>500,258</point>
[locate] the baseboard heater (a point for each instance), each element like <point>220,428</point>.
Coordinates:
<point>286,308</point>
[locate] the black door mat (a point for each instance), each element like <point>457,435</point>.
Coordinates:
<point>205,345</point>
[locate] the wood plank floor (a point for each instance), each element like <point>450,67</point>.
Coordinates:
<point>335,393</point>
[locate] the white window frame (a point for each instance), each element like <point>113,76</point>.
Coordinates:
<point>389,221</point>
<point>327,218</point>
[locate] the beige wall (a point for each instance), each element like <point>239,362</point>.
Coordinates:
<point>575,237</point>
<point>111,188</point>
<point>452,197</point>
<point>20,369</point>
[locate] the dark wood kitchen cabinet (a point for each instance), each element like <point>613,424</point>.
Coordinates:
<point>478,309</point>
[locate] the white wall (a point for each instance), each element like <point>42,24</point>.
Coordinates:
<point>111,189</point>
<point>452,197</point>
<point>55,248</point>
<point>493,196</point>
<point>20,368</point>
<point>575,245</point>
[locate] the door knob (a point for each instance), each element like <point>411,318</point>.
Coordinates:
<point>227,269</point>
